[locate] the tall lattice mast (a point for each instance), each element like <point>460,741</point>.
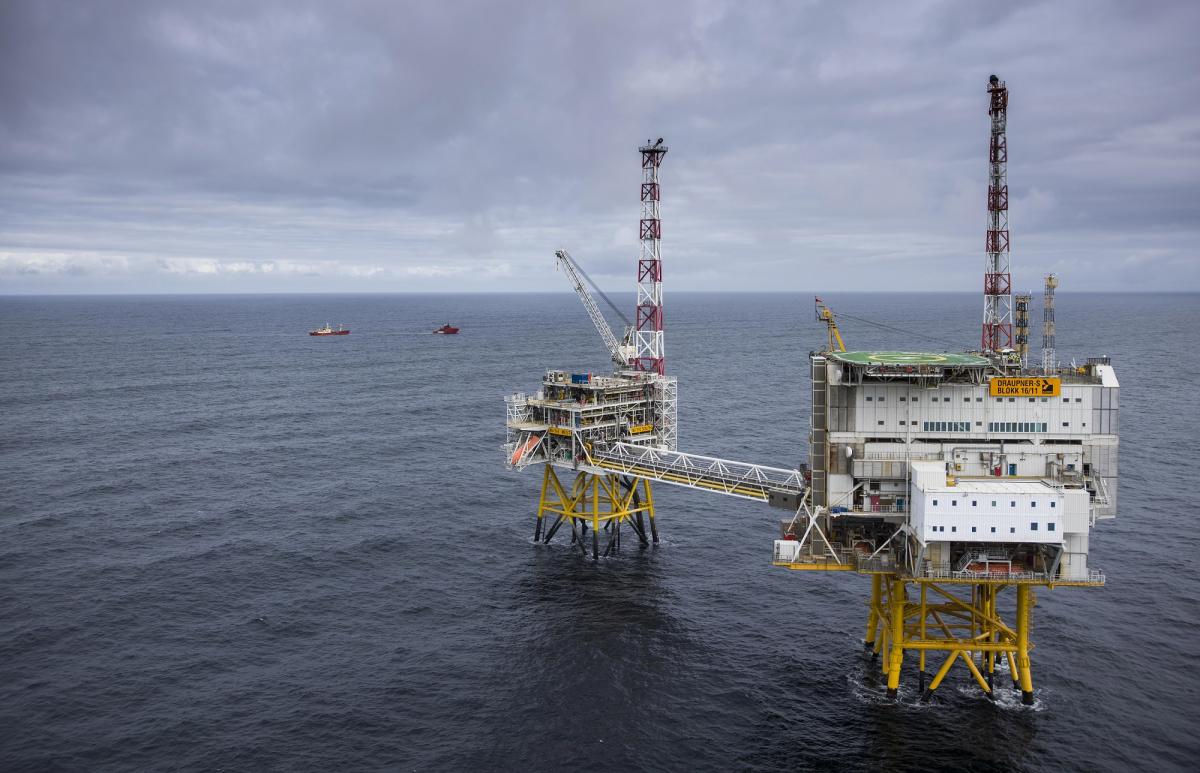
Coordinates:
<point>649,353</point>
<point>1048,357</point>
<point>997,277</point>
<point>1023,301</point>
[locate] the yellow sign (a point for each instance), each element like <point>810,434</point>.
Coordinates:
<point>1034,386</point>
<point>560,431</point>
<point>638,429</point>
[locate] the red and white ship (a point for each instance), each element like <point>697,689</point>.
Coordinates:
<point>329,331</point>
<point>446,329</point>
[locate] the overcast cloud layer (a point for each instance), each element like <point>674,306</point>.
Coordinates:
<point>196,147</point>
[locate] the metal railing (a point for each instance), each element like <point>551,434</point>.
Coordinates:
<point>886,563</point>
<point>885,509</point>
<point>946,572</point>
<point>738,479</point>
<point>805,554</point>
<point>1101,491</point>
<point>983,557</point>
<point>898,456</point>
<point>880,563</point>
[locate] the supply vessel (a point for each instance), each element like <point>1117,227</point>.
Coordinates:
<point>329,331</point>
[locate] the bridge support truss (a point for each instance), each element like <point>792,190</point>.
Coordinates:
<point>599,503</point>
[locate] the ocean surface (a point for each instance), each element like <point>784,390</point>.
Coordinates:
<point>226,545</point>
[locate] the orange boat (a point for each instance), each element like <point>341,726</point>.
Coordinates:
<point>446,329</point>
<point>521,451</point>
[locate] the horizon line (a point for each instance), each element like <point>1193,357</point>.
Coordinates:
<point>126,294</point>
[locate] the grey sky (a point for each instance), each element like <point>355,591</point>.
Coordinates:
<point>413,146</point>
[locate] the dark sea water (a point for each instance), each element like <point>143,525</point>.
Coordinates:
<point>225,545</point>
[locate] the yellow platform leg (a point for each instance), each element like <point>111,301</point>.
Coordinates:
<point>873,611</point>
<point>896,637</point>
<point>922,612</point>
<point>596,502</point>
<point>968,628</point>
<point>1025,602</point>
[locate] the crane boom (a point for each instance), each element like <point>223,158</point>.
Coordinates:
<point>616,349</point>
<point>825,314</point>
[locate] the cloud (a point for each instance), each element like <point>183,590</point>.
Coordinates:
<point>27,264</point>
<point>819,145</point>
<point>326,268</point>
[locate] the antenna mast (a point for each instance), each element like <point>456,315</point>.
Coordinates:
<point>1022,301</point>
<point>997,277</point>
<point>1048,357</point>
<point>648,324</point>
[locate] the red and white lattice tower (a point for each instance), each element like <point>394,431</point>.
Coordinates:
<point>648,334</point>
<point>997,277</point>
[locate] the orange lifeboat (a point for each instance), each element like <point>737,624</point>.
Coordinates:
<point>521,451</point>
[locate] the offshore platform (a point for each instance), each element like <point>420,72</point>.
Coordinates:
<point>947,478</point>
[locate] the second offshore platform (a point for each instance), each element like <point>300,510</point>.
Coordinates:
<point>958,483</point>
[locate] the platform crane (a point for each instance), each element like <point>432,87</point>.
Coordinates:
<point>622,352</point>
<point>614,435</point>
<point>825,314</point>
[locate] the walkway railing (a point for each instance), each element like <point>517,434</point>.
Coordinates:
<point>737,479</point>
<point>946,572</point>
